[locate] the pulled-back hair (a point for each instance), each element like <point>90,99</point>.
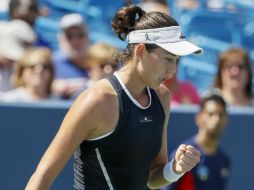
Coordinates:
<point>133,18</point>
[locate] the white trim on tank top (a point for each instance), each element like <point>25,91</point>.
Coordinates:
<point>104,170</point>
<point>131,97</point>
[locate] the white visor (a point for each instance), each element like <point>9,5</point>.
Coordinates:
<point>169,38</point>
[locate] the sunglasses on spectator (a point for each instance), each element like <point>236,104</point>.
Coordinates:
<point>44,66</point>
<point>239,66</point>
<point>72,35</point>
<point>113,66</point>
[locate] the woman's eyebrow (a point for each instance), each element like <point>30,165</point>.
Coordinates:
<point>171,56</point>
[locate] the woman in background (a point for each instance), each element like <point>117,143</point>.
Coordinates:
<point>32,77</point>
<point>234,77</point>
<point>101,61</point>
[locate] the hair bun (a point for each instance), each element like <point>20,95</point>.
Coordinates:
<point>125,20</point>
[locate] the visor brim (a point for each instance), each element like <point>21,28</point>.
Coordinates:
<point>181,48</point>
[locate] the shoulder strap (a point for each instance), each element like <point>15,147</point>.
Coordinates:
<point>118,88</point>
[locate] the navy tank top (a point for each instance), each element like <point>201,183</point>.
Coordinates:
<point>121,159</point>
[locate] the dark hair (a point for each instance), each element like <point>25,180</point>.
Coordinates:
<point>12,6</point>
<point>15,4</point>
<point>240,52</point>
<point>133,18</point>
<point>212,97</point>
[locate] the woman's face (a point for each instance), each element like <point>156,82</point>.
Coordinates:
<point>37,76</point>
<point>76,38</point>
<point>159,65</point>
<point>234,73</point>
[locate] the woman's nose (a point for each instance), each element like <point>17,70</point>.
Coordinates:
<point>234,70</point>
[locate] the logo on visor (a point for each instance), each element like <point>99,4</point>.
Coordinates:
<point>147,37</point>
<point>182,36</point>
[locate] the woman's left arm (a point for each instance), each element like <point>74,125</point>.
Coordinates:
<point>156,179</point>
<point>186,157</point>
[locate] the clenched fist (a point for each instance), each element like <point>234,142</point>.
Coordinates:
<point>186,158</point>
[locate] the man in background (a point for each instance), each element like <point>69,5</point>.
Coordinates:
<point>213,170</point>
<point>71,70</point>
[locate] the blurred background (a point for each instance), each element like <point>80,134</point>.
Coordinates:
<point>215,25</point>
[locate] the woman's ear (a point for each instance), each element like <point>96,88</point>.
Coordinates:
<point>140,50</point>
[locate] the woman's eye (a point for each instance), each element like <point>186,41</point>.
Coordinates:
<point>170,60</point>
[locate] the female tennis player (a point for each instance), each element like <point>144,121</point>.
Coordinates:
<point>117,129</point>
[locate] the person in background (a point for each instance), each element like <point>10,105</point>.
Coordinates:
<point>15,37</point>
<point>70,60</point>
<point>118,128</point>
<point>182,92</point>
<point>234,77</point>
<point>101,61</point>
<point>213,170</point>
<point>33,77</point>
<point>27,11</point>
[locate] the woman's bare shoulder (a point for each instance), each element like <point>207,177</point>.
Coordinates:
<point>101,94</point>
<point>97,106</point>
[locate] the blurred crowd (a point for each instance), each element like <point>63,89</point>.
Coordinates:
<point>30,70</point>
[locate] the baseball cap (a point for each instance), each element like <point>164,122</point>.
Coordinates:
<point>72,20</point>
<point>15,37</point>
<point>169,38</point>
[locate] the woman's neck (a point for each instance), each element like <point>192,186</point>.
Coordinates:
<point>132,81</point>
<point>135,86</point>
<point>235,97</point>
<point>208,144</point>
<point>37,93</point>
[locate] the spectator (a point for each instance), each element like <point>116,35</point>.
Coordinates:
<point>25,10</point>
<point>15,37</point>
<point>213,170</point>
<point>33,76</point>
<point>28,11</point>
<point>182,92</point>
<point>100,59</point>
<point>234,77</point>
<point>70,59</point>
<point>101,63</point>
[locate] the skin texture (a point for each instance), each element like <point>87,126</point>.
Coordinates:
<point>89,118</point>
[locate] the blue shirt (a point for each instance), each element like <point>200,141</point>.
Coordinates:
<point>65,68</point>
